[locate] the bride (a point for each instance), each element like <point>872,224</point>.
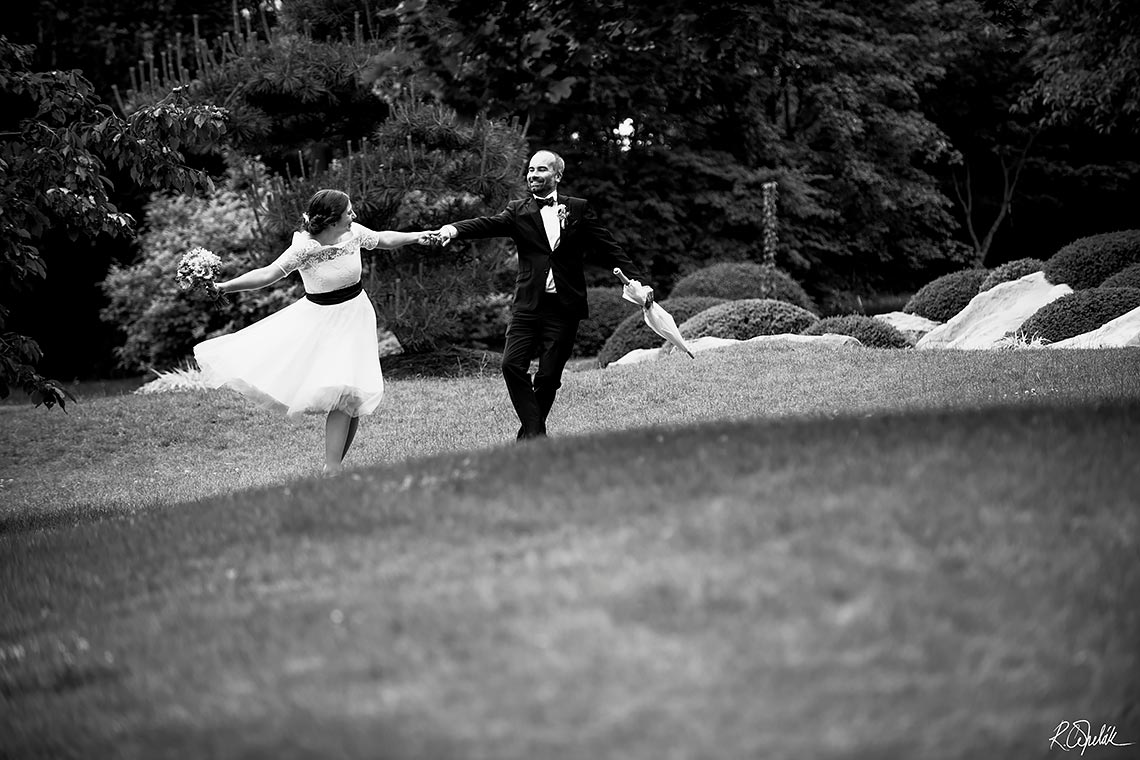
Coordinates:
<point>320,353</point>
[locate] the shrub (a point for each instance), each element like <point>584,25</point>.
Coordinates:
<point>481,321</point>
<point>161,323</point>
<point>1079,312</point>
<point>633,333</point>
<point>1011,270</point>
<point>942,298</point>
<point>1125,278</point>
<point>1087,262</point>
<point>607,310</point>
<point>871,332</point>
<point>747,318</point>
<point>734,282</point>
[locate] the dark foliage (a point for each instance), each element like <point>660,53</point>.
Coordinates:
<point>1011,270</point>
<point>748,318</point>
<point>1079,312</point>
<point>738,280</point>
<point>1125,278</point>
<point>944,297</point>
<point>871,332</point>
<point>607,310</point>
<point>1089,261</point>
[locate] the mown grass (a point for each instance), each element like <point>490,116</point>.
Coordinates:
<point>755,554</point>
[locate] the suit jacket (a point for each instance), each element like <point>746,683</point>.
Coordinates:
<point>583,240</point>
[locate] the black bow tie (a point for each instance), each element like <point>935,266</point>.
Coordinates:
<point>548,201</point>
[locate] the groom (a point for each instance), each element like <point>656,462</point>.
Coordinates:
<point>556,236</point>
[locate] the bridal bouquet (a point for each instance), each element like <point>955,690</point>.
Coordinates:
<point>198,269</point>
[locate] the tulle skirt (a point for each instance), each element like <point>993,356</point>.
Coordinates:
<point>304,358</point>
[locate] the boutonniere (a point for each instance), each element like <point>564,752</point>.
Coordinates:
<point>563,214</point>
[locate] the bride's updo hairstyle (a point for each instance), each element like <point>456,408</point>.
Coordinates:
<point>325,207</point>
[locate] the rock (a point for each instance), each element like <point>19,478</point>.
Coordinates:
<point>637,356</point>
<point>992,314</point>
<point>910,325</point>
<point>827,340</point>
<point>1119,333</point>
<point>697,345</point>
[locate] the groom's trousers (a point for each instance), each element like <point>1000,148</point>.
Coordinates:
<point>547,332</point>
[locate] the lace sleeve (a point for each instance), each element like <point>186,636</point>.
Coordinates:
<point>368,238</point>
<point>290,261</point>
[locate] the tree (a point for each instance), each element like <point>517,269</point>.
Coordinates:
<point>1087,61</point>
<point>822,97</point>
<point>351,112</point>
<point>59,142</point>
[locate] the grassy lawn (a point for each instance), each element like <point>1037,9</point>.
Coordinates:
<point>777,553</point>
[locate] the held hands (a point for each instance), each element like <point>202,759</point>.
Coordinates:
<point>440,237</point>
<point>648,299</point>
<point>430,237</point>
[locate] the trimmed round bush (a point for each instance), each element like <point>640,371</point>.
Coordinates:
<point>633,333</point>
<point>607,310</point>
<point>942,298</point>
<point>1009,271</point>
<point>1087,262</point>
<point>1079,312</point>
<point>736,281</point>
<point>1125,278</point>
<point>871,332</point>
<point>747,318</point>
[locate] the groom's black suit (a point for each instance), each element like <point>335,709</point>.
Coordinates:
<point>546,323</point>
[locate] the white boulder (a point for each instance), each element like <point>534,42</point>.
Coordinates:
<point>991,315</point>
<point>1119,333</point>
<point>912,326</point>
<point>697,345</point>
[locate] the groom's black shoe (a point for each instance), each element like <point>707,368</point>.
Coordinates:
<point>525,435</point>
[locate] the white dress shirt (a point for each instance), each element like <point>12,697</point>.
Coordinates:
<point>553,235</point>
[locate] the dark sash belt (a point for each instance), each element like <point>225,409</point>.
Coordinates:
<point>333,297</point>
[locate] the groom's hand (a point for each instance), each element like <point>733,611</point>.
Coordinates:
<point>446,233</point>
<point>649,299</point>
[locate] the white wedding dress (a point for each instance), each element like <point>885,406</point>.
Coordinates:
<point>307,357</point>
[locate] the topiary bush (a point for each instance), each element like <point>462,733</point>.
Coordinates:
<point>747,318</point>
<point>607,310</point>
<point>1125,278</point>
<point>633,333</point>
<point>942,298</point>
<point>736,281</point>
<point>1087,262</point>
<point>1078,312</point>
<point>161,323</point>
<point>1009,271</point>
<point>871,332</point>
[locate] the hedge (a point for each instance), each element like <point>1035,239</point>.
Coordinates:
<point>607,310</point>
<point>1079,312</point>
<point>871,332</point>
<point>1087,262</point>
<point>1009,271</point>
<point>736,281</point>
<point>748,318</point>
<point>942,298</point>
<point>1125,278</point>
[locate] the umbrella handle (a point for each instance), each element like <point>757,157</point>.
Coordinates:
<point>621,276</point>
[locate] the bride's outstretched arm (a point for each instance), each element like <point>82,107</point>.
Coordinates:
<point>393,239</point>
<point>252,280</point>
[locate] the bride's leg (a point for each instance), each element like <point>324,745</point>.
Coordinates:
<point>336,439</point>
<point>352,425</point>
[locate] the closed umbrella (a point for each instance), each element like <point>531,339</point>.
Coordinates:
<point>659,320</point>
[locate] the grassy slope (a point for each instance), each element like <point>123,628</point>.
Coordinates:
<point>933,583</point>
